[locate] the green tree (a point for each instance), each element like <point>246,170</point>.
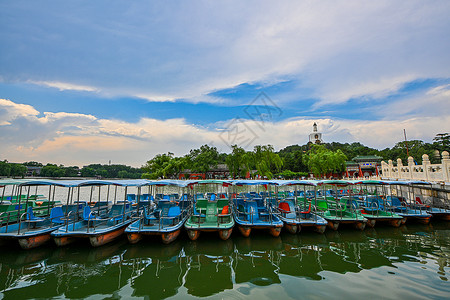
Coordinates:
<point>442,142</point>
<point>322,161</point>
<point>235,161</point>
<point>88,172</point>
<point>266,161</point>
<point>163,165</point>
<point>5,168</point>
<point>52,170</point>
<point>18,170</point>
<point>203,159</point>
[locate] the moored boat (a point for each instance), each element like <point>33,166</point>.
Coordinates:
<point>252,213</point>
<point>164,217</point>
<point>295,210</point>
<point>212,214</point>
<point>337,210</point>
<point>28,229</point>
<point>102,223</point>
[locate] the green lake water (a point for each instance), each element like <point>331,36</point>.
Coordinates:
<point>411,262</point>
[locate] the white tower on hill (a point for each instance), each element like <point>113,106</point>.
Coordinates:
<point>315,137</point>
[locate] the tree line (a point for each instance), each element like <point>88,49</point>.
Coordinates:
<point>59,171</point>
<point>263,161</point>
<point>291,162</point>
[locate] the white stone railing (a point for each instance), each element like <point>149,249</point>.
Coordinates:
<point>426,171</point>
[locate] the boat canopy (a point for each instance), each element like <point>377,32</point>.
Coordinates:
<point>187,183</point>
<point>254,182</point>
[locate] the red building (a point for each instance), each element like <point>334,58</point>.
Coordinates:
<point>364,166</point>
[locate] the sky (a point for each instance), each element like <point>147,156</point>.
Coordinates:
<point>96,81</point>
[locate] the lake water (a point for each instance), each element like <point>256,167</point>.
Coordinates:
<point>393,263</point>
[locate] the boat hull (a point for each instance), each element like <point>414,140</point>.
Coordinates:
<point>225,234</point>
<point>193,234</point>
<point>169,237</point>
<point>63,241</point>
<point>34,241</point>
<point>291,228</point>
<point>102,239</point>
<point>133,238</point>
<point>245,230</point>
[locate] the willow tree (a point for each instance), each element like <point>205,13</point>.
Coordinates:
<point>163,165</point>
<point>266,161</point>
<point>322,161</point>
<point>236,161</point>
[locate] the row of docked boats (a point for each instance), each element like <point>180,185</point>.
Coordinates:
<point>166,207</point>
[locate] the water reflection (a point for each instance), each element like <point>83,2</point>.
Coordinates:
<point>239,265</point>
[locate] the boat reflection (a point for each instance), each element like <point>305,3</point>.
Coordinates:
<point>210,266</point>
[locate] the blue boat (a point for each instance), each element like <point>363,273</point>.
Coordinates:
<point>296,211</point>
<point>253,214</point>
<point>29,230</point>
<point>103,222</point>
<point>419,214</point>
<point>399,203</point>
<point>165,218</point>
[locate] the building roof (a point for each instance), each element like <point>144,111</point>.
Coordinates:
<point>367,157</point>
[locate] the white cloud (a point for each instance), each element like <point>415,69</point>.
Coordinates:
<point>63,86</point>
<point>78,139</point>
<point>10,111</point>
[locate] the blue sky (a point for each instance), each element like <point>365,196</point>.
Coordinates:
<point>86,82</point>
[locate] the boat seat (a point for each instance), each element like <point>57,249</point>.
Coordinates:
<point>260,203</point>
<point>418,200</point>
<point>174,211</point>
<point>89,215</point>
<point>307,211</point>
<point>284,207</point>
<point>31,217</point>
<point>225,210</point>
<point>56,214</point>
<point>322,204</point>
<point>172,214</point>
<point>196,213</point>
<point>221,203</point>
<point>287,210</point>
<point>252,211</point>
<point>116,212</point>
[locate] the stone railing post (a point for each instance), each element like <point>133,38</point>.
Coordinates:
<point>446,166</point>
<point>410,166</point>
<point>399,168</point>
<point>425,164</point>
<point>391,169</point>
<point>385,169</point>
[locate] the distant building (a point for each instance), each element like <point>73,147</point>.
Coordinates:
<point>219,172</point>
<point>315,137</point>
<point>33,171</point>
<point>363,166</point>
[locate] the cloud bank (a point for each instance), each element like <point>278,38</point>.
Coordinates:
<point>80,139</point>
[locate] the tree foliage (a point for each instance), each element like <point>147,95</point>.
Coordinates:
<point>322,161</point>
<point>203,159</point>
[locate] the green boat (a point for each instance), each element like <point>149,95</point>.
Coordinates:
<point>341,211</point>
<point>375,211</point>
<point>210,215</point>
<point>14,205</point>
